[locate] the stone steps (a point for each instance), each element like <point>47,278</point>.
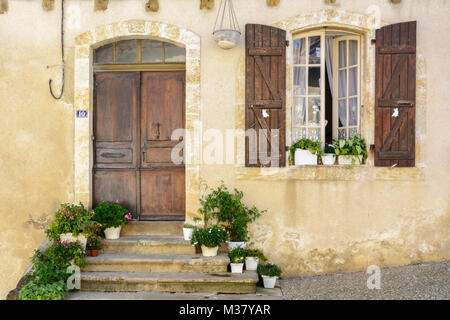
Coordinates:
<point>144,244</point>
<point>153,228</point>
<point>227,283</point>
<point>261,294</point>
<point>125,262</point>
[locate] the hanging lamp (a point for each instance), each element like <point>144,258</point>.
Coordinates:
<point>226,29</point>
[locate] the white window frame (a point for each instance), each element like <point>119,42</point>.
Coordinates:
<point>336,98</point>
<point>323,33</point>
<point>307,65</point>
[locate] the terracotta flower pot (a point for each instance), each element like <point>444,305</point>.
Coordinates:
<point>93,252</point>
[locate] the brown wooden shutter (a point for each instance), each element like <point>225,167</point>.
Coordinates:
<point>265,92</point>
<point>395,97</point>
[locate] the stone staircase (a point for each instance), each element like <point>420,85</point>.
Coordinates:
<point>151,260</point>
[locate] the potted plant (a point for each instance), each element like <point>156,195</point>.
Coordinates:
<point>304,152</point>
<point>188,230</point>
<point>229,210</point>
<point>252,258</point>
<point>237,256</point>
<point>329,156</point>
<point>93,245</point>
<point>270,273</point>
<point>209,239</point>
<point>111,216</point>
<point>351,150</point>
<point>71,223</point>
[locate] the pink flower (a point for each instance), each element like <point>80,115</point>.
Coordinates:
<point>117,201</point>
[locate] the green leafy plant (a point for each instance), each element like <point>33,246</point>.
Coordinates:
<point>94,243</point>
<point>329,148</point>
<point>237,255</point>
<point>35,290</point>
<point>269,269</point>
<point>188,226</point>
<point>209,237</point>
<point>70,218</point>
<point>256,254</point>
<point>305,144</point>
<point>110,214</point>
<point>351,147</point>
<point>227,208</point>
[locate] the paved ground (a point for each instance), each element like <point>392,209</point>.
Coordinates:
<point>421,281</point>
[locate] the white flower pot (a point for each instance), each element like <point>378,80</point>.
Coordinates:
<point>347,160</point>
<point>69,237</point>
<point>112,233</point>
<point>187,233</point>
<point>251,263</point>
<point>269,282</point>
<point>209,252</point>
<point>328,159</point>
<point>237,267</point>
<point>304,157</point>
<point>236,244</point>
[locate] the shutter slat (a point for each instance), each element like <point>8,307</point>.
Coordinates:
<point>265,94</point>
<point>395,95</point>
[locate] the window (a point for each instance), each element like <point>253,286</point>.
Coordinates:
<point>326,89</point>
<point>138,51</point>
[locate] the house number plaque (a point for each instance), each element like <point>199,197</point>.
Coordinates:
<point>82,113</point>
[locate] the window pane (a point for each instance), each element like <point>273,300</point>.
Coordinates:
<point>342,113</point>
<point>353,112</point>
<point>314,50</point>
<point>342,83</point>
<point>299,51</point>
<point>314,110</point>
<point>299,111</point>
<point>314,81</point>
<point>151,51</point>
<point>299,81</point>
<point>105,54</point>
<point>353,81</point>
<point>313,134</point>
<point>342,54</point>
<point>174,53</point>
<point>126,51</point>
<point>342,133</point>
<point>353,131</point>
<point>353,52</point>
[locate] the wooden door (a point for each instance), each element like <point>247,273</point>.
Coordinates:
<point>134,116</point>
<point>162,111</point>
<point>116,147</point>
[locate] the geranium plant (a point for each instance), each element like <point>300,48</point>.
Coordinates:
<point>229,210</point>
<point>110,214</point>
<point>209,237</point>
<point>70,218</point>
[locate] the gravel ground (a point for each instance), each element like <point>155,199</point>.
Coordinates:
<point>415,282</point>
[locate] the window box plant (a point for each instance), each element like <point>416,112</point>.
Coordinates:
<point>237,256</point>
<point>329,156</point>
<point>252,258</point>
<point>305,152</point>
<point>71,223</point>
<point>270,273</point>
<point>229,210</point>
<point>351,150</point>
<point>111,216</point>
<point>209,239</point>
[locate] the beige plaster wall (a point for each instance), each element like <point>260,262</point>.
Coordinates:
<point>317,221</point>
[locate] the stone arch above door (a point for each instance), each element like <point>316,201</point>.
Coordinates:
<point>85,44</point>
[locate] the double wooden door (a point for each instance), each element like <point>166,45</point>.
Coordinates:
<point>135,114</point>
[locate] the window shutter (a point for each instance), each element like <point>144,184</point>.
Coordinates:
<point>265,92</point>
<point>395,96</point>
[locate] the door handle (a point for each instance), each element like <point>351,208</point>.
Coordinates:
<point>143,156</point>
<point>158,133</point>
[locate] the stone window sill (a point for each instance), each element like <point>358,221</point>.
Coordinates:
<point>365,172</point>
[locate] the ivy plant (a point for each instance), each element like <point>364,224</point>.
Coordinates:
<point>304,144</point>
<point>354,146</point>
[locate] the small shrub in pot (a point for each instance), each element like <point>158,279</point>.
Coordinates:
<point>270,273</point>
